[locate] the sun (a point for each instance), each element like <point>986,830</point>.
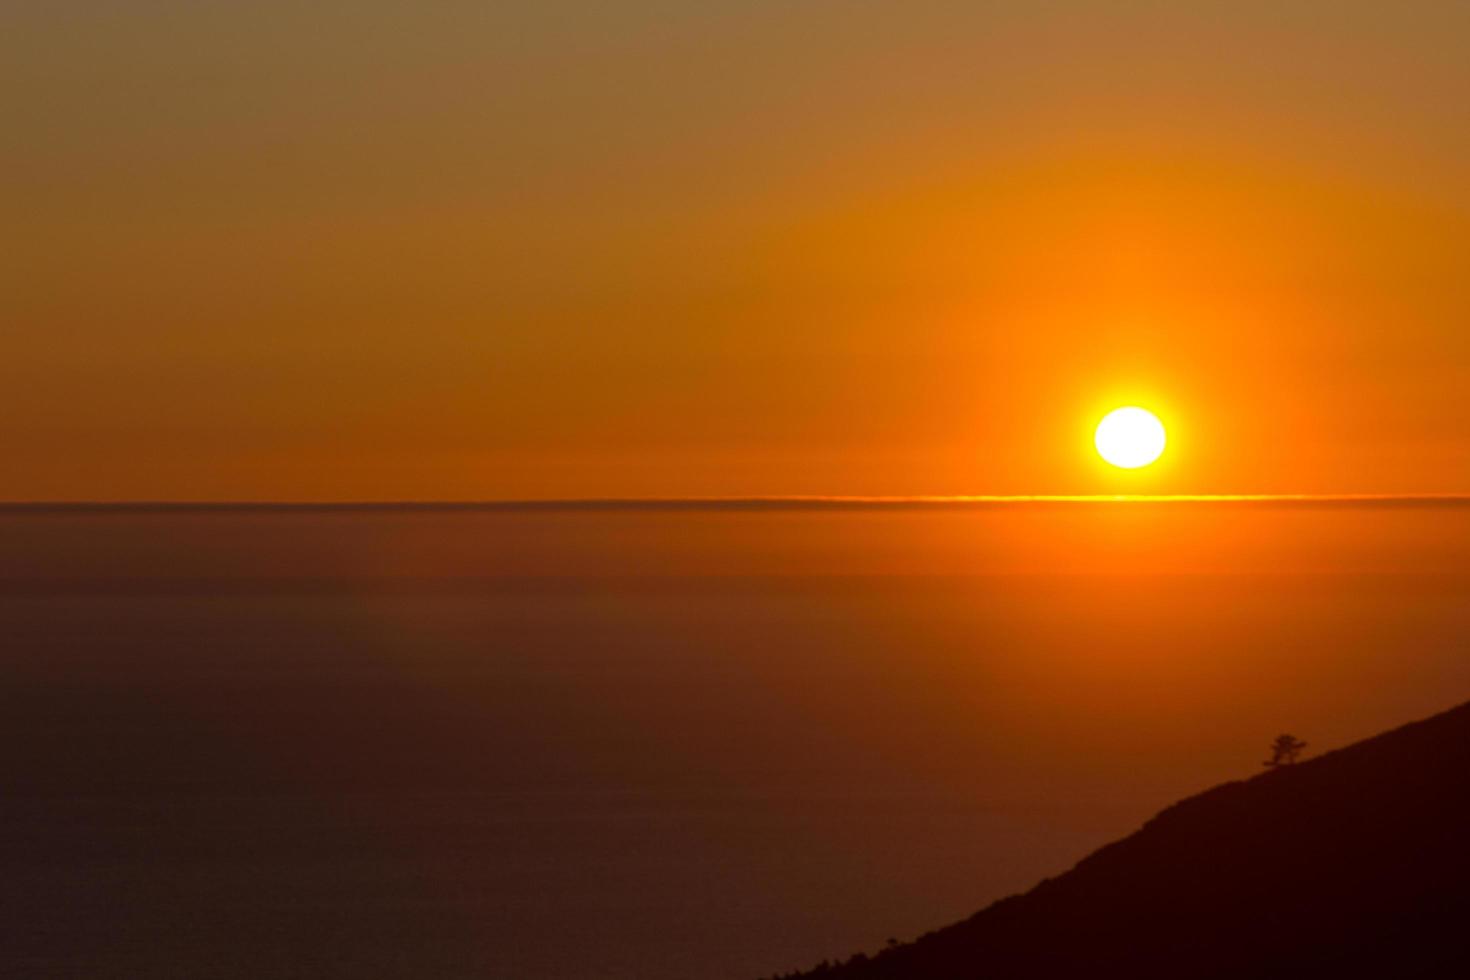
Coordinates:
<point>1130,438</point>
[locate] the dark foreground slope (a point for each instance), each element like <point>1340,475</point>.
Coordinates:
<point>1354,864</point>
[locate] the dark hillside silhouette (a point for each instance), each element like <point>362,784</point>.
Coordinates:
<point>1354,864</point>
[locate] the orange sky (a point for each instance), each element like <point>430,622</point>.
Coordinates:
<point>381,250</point>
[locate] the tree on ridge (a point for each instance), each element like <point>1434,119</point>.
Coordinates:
<point>1284,751</point>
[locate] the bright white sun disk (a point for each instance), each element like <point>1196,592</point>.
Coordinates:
<point>1130,437</point>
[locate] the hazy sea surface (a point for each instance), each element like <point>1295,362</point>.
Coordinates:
<point>652,744</point>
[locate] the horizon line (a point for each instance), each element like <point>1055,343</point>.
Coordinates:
<point>747,503</point>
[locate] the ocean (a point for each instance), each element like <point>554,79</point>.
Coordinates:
<point>653,741</point>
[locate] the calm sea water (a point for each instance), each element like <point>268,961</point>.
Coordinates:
<point>652,745</point>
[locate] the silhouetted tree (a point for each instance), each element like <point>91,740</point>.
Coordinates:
<point>1284,751</point>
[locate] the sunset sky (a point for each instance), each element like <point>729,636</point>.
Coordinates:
<point>464,250</point>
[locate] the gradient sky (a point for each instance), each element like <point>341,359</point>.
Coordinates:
<point>379,250</point>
